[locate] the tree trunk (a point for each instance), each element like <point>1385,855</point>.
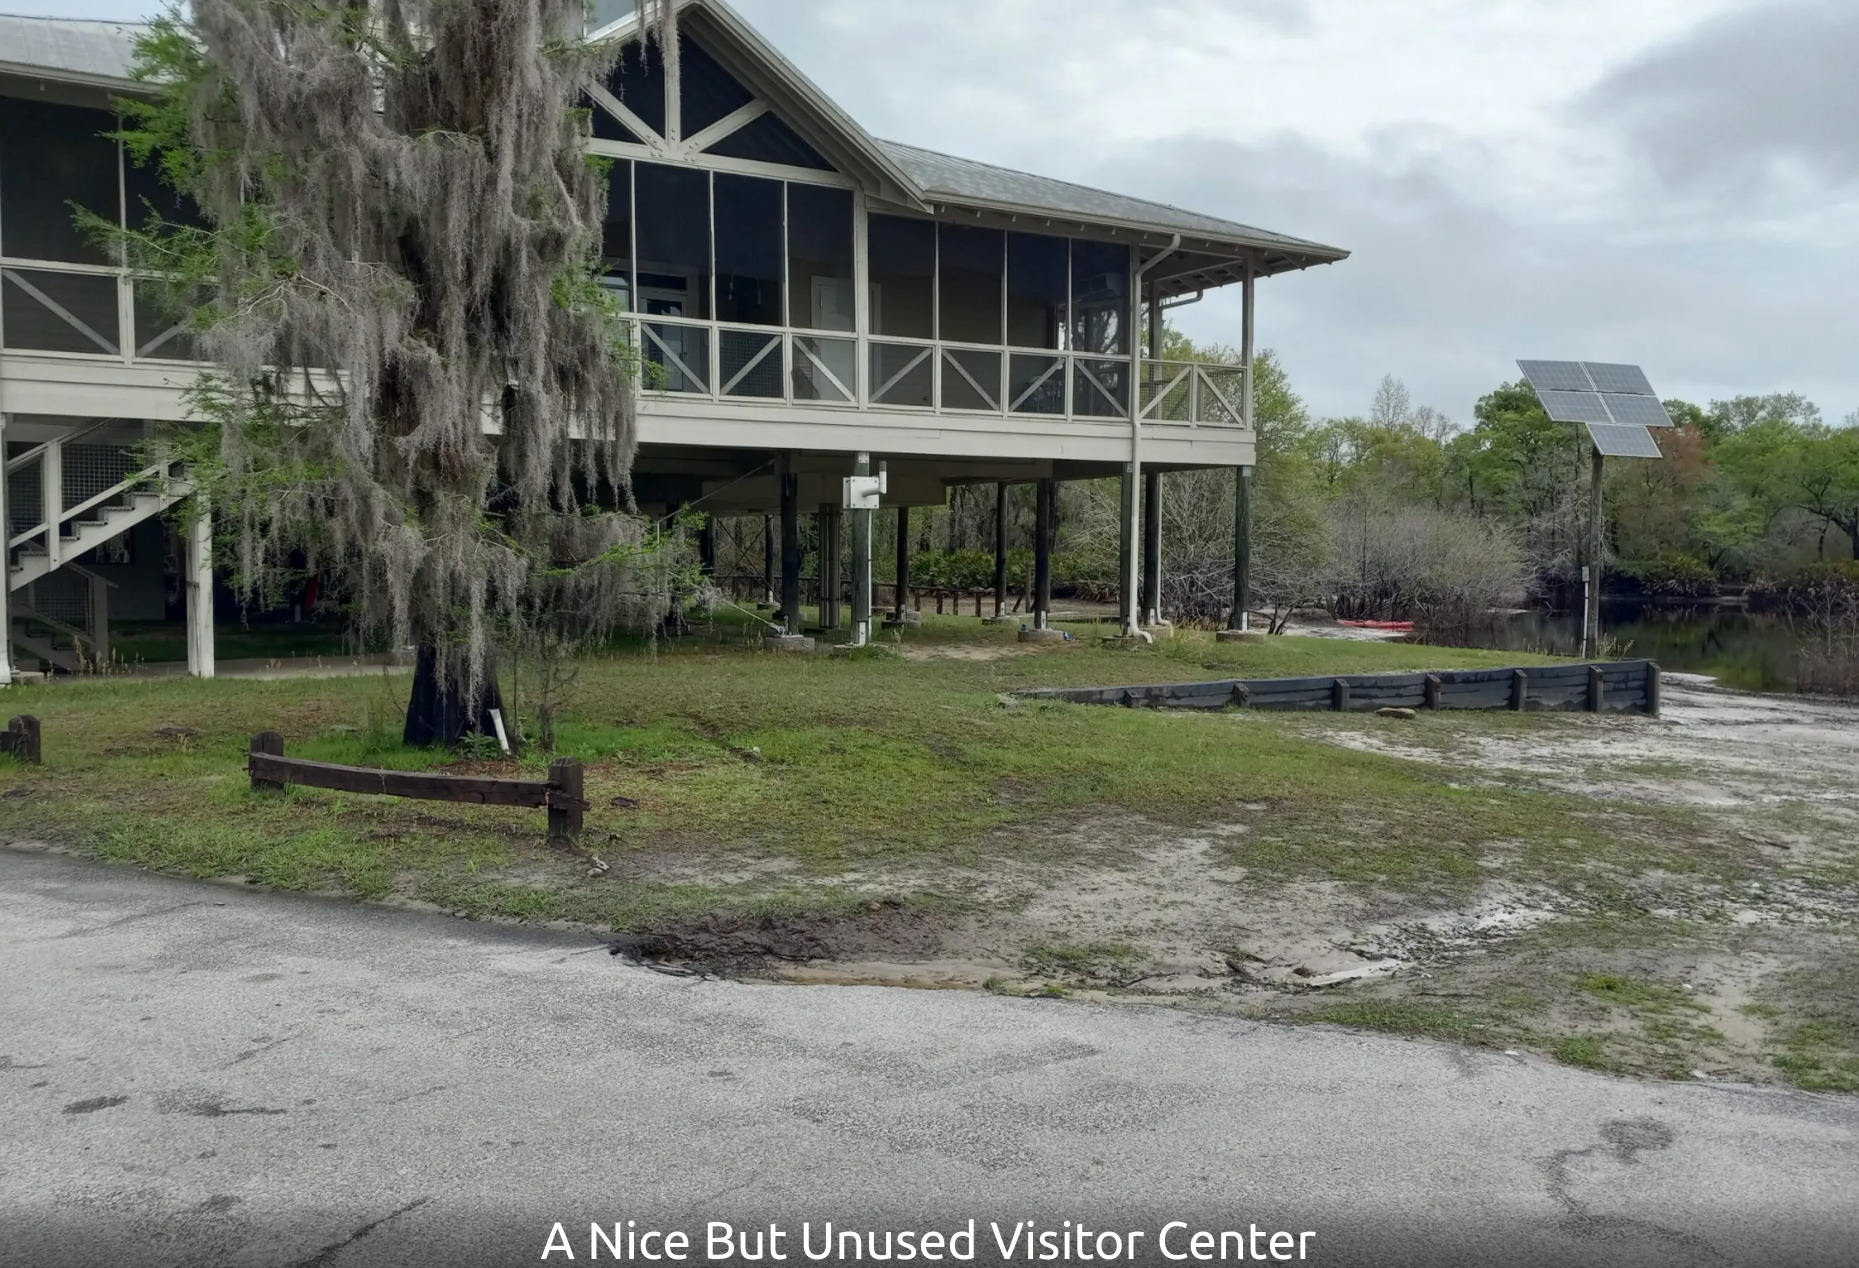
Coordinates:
<point>439,714</point>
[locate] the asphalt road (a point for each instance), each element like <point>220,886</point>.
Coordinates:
<point>200,1074</point>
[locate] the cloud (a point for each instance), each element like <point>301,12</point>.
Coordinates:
<point>1755,96</point>
<point>1447,287</point>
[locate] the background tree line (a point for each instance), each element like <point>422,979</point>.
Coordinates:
<point>1401,513</point>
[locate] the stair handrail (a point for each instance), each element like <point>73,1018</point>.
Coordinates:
<point>23,613</point>
<point>156,468</point>
<point>38,451</point>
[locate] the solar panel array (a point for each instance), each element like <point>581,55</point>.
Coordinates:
<point>1615,401</point>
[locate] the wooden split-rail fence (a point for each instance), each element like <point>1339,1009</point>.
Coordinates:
<point>561,793</point>
<point>1625,686</point>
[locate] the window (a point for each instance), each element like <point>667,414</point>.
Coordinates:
<point>903,277</point>
<point>819,236</point>
<point>147,195</point>
<point>1038,279</point>
<point>616,232</point>
<point>55,156</point>
<point>970,297</point>
<point>672,229</point>
<point>1100,297</point>
<point>748,251</point>
<point>604,13</point>
<point>638,80</point>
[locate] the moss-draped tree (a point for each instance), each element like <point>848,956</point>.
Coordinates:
<point>419,386</point>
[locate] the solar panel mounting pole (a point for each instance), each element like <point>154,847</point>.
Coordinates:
<point>1591,618</point>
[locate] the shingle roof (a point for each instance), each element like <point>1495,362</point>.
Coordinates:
<point>101,50</point>
<point>966,181</point>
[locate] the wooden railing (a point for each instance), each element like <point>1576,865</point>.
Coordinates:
<point>561,793</point>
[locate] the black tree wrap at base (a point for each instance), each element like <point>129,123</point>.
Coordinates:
<point>439,713</point>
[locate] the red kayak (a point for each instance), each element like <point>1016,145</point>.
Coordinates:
<point>1406,627</point>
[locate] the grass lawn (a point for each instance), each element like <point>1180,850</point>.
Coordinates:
<point>888,806</point>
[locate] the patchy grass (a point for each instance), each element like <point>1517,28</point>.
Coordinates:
<point>889,806</point>
<point>1819,1045</point>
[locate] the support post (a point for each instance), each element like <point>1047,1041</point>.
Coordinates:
<point>1597,689</point>
<point>861,563</point>
<point>199,579</point>
<point>1152,549</point>
<point>1128,585</point>
<point>99,621</point>
<point>706,546</point>
<point>1152,481</point>
<point>21,740</point>
<point>1339,695</point>
<point>1043,515</point>
<point>52,499</point>
<point>6,584</point>
<point>1591,619</point>
<point>1654,689</point>
<point>267,744</point>
<point>1000,550</point>
<point>768,561</point>
<point>790,546</point>
<point>1242,480</point>
<point>1435,687</point>
<point>831,573</point>
<point>1519,690</point>
<point>1241,619</point>
<point>567,801</point>
<point>901,607</point>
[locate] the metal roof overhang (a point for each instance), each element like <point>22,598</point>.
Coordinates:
<point>1200,262</point>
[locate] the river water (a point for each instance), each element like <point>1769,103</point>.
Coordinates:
<point>1754,651</point>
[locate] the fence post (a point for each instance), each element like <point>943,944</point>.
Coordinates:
<point>22,739</point>
<point>1433,690</point>
<point>566,802</point>
<point>1339,695</point>
<point>1597,690</point>
<point>1519,690</point>
<point>1652,688</point>
<point>270,744</point>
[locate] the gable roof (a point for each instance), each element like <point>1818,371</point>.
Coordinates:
<point>1212,250</point>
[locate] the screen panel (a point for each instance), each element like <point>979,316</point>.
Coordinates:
<point>1575,407</point>
<point>1555,376</point>
<point>1627,379</point>
<point>1614,441</point>
<point>1644,411</point>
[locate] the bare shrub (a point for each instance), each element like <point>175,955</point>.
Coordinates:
<point>1442,570</point>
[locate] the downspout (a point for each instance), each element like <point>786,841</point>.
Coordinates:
<point>1132,529</point>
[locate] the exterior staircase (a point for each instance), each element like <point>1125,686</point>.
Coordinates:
<point>66,497</point>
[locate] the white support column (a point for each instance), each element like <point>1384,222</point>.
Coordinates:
<point>1130,532</point>
<point>52,498</point>
<point>6,570</point>
<point>199,573</point>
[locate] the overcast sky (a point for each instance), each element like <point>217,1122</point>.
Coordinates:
<point>1672,182</point>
